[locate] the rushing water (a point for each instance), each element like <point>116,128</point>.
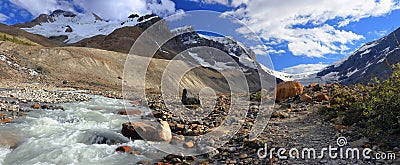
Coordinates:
<point>71,136</point>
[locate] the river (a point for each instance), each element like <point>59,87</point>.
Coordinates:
<point>71,136</point>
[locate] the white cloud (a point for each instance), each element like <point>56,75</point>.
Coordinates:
<point>232,3</point>
<point>304,68</point>
<point>3,17</point>
<point>379,33</point>
<point>165,8</point>
<point>310,28</point>
<point>113,9</point>
<point>38,7</point>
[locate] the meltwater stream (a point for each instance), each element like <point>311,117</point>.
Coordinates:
<point>71,136</point>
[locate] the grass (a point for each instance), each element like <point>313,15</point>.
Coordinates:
<point>17,40</point>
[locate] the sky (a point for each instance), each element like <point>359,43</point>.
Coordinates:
<point>298,36</point>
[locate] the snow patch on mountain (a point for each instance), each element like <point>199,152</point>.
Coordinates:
<point>217,65</point>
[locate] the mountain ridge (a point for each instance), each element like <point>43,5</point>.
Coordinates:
<point>373,59</point>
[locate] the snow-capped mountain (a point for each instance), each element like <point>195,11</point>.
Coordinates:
<point>234,54</point>
<point>373,59</point>
<point>77,26</point>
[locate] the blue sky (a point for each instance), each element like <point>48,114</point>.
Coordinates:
<point>299,36</point>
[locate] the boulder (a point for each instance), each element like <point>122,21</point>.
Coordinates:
<point>288,89</point>
<point>141,130</point>
<point>123,149</point>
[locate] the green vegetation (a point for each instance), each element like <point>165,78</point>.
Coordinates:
<point>375,108</point>
<point>16,40</point>
<point>256,96</point>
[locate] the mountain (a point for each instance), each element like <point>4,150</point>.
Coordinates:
<point>374,59</point>
<point>70,28</point>
<point>88,30</point>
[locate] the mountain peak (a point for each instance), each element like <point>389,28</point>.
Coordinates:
<point>59,12</point>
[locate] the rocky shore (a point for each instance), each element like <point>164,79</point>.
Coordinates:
<point>18,99</point>
<point>295,123</point>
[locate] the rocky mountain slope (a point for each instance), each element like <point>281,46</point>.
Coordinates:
<point>373,59</point>
<point>88,68</point>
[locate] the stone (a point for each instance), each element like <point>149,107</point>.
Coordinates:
<point>305,98</point>
<point>288,89</point>
<point>188,145</point>
<point>322,97</point>
<point>7,120</point>
<point>129,112</point>
<point>140,130</point>
<point>36,106</point>
<point>123,149</point>
<point>243,156</point>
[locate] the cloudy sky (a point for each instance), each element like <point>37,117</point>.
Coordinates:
<point>299,35</point>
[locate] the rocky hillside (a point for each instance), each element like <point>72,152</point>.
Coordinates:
<point>373,59</point>
<point>88,68</point>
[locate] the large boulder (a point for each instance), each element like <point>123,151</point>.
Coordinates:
<point>123,149</point>
<point>140,130</point>
<point>288,89</point>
